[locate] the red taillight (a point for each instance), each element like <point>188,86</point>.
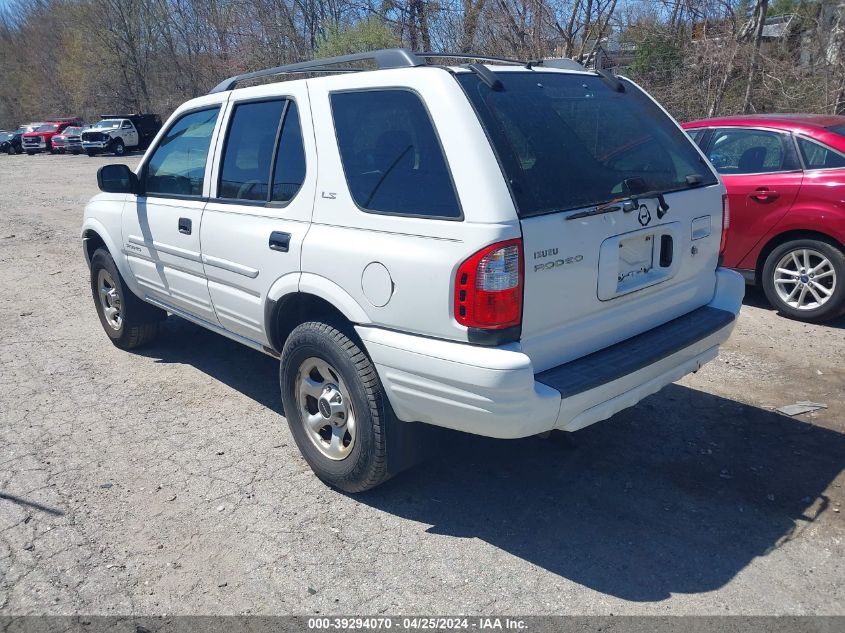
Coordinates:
<point>726,223</point>
<point>488,287</point>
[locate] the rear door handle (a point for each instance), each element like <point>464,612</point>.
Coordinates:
<point>185,226</point>
<point>279,241</point>
<point>762,194</point>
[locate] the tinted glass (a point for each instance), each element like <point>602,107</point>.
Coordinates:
<point>697,134</point>
<point>739,151</point>
<point>177,166</point>
<point>249,150</point>
<point>838,129</point>
<point>570,141</point>
<point>391,155</point>
<point>289,173</point>
<point>817,156</point>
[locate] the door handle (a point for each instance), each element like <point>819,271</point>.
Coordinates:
<point>279,241</point>
<point>762,194</point>
<point>185,226</point>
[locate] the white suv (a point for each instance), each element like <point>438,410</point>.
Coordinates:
<point>503,249</point>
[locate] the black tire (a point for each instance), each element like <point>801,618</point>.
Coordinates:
<point>366,465</point>
<point>92,153</point>
<point>29,153</point>
<point>117,147</point>
<point>139,320</point>
<point>833,306</point>
<point>11,151</point>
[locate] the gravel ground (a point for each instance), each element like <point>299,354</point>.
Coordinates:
<point>166,481</point>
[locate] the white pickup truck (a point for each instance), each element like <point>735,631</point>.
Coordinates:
<point>118,134</point>
<point>503,249</point>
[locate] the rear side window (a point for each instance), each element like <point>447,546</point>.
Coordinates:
<point>289,170</point>
<point>391,155</point>
<point>249,150</point>
<point>741,151</point>
<point>818,156</point>
<point>264,140</point>
<point>177,166</point>
<point>568,141</point>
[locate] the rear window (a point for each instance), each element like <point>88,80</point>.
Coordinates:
<point>391,154</point>
<point>571,141</point>
<point>838,129</point>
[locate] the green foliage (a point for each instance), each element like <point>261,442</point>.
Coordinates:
<point>657,54</point>
<point>367,35</point>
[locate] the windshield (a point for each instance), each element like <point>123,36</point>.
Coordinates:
<point>71,131</point>
<point>108,124</point>
<point>49,127</point>
<point>571,141</point>
<point>5,136</point>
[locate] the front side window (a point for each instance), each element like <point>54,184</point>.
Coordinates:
<point>697,134</point>
<point>571,141</point>
<point>391,155</point>
<point>249,150</point>
<point>818,156</point>
<point>740,151</point>
<point>177,166</point>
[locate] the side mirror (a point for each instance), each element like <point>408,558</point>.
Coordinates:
<point>117,179</point>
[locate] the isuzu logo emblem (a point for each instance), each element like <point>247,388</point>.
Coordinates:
<point>644,215</point>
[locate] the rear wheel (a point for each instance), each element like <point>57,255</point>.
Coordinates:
<point>335,406</point>
<point>805,280</point>
<point>127,320</point>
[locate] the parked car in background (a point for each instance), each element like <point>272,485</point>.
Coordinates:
<point>10,142</point>
<point>118,133</point>
<point>69,140</point>
<point>785,176</point>
<point>41,139</point>
<point>14,145</point>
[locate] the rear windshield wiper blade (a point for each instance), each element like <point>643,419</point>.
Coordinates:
<point>626,204</point>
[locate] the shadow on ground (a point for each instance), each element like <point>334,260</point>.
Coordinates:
<point>755,297</point>
<point>676,495</point>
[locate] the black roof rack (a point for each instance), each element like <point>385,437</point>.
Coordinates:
<point>479,58</point>
<point>383,59</point>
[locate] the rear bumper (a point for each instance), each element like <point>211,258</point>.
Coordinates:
<point>494,391</point>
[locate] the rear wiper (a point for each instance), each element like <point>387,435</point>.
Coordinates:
<point>626,204</point>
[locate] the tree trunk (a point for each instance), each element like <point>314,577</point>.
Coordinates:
<point>760,10</point>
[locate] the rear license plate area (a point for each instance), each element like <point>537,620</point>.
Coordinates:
<point>637,260</point>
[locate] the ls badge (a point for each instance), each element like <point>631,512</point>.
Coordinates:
<point>644,216</point>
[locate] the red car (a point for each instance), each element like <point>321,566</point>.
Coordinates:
<point>40,140</point>
<point>785,176</point>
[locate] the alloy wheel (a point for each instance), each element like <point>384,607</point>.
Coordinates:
<point>804,279</point>
<point>325,408</point>
<point>110,300</point>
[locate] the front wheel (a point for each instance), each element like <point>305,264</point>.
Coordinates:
<point>127,320</point>
<point>335,406</point>
<point>92,153</point>
<point>118,148</point>
<point>805,280</point>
